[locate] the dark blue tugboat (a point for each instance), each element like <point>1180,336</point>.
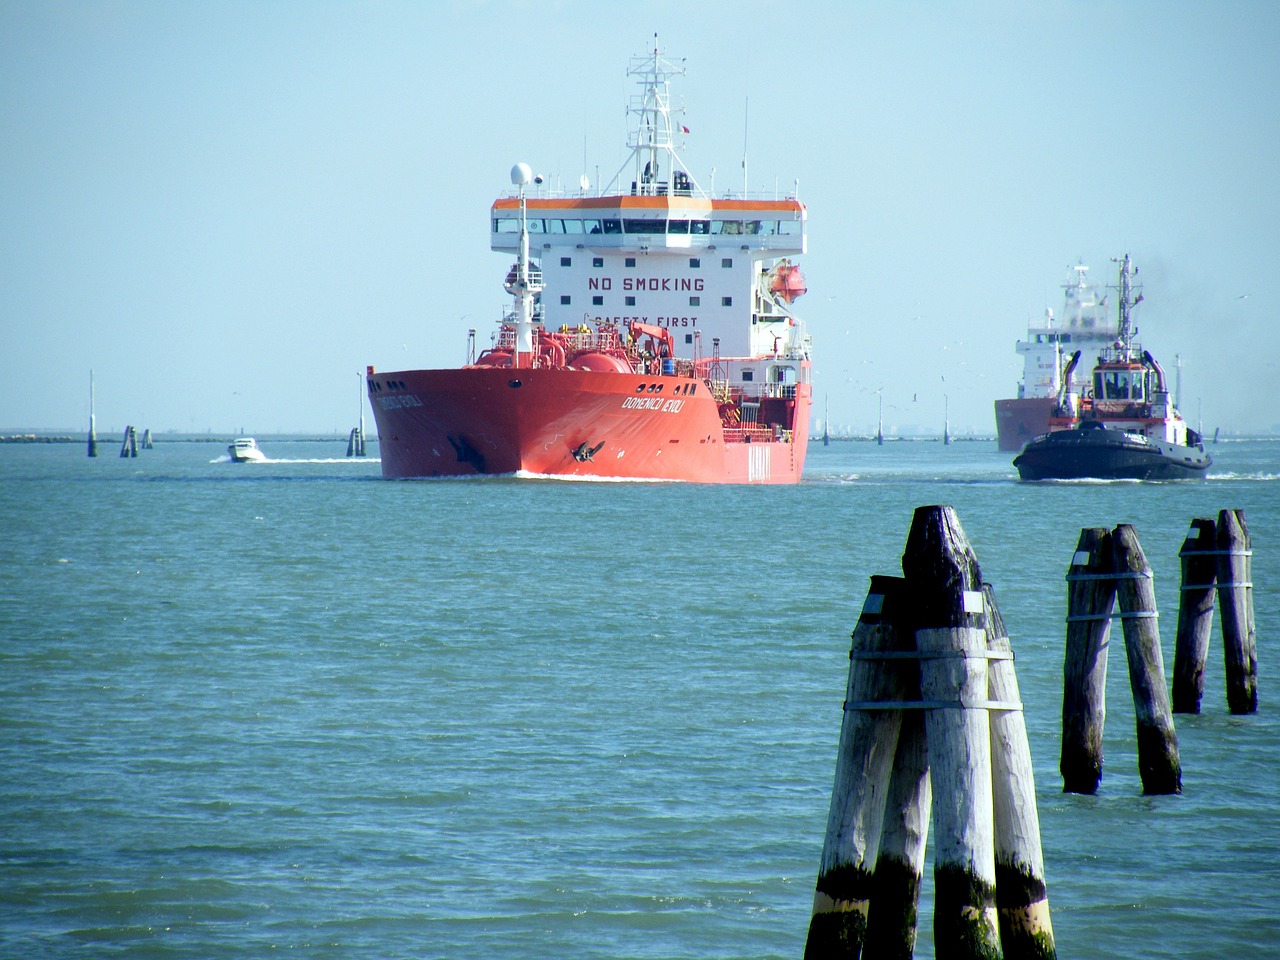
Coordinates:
<point>1123,427</point>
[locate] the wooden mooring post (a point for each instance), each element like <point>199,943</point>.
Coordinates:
<point>1110,570</point>
<point>1158,763</point>
<point>1195,615</point>
<point>1022,898</point>
<point>895,888</point>
<point>868,741</point>
<point>1217,559</point>
<point>950,632</point>
<point>129,445</point>
<point>1235,596</point>
<point>355,442</point>
<point>918,730</point>
<point>1091,596</point>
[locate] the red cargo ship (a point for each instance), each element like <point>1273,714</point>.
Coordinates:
<point>651,335</point>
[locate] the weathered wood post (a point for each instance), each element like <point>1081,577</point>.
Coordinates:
<point>1195,615</point>
<point>355,443</point>
<point>893,920</point>
<point>1091,594</point>
<point>1136,596</point>
<point>868,741</point>
<point>1235,594</point>
<point>1022,898</point>
<point>948,611</point>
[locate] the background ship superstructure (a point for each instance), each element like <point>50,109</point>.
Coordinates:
<point>1083,325</point>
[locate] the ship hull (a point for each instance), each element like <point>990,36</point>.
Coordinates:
<point>1094,453</point>
<point>576,424</point>
<point>1021,419</point>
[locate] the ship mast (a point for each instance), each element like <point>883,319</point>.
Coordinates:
<point>1127,303</point>
<point>653,149</point>
<point>526,280</point>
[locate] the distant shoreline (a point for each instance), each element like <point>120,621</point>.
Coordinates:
<point>110,438</point>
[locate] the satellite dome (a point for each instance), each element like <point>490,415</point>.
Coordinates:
<point>521,174</point>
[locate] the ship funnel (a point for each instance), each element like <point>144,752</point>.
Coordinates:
<point>1067,396</point>
<point>1160,398</point>
<point>1150,361</point>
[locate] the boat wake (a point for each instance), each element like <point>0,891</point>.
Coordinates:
<point>528,475</point>
<point>579,478</point>
<point>1092,481</point>
<point>1228,476</point>
<point>227,459</point>
<point>1254,477</point>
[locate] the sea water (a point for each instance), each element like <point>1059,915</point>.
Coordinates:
<point>293,708</point>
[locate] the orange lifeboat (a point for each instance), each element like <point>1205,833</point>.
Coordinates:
<point>787,282</point>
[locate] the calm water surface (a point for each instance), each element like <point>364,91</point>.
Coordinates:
<point>293,707</point>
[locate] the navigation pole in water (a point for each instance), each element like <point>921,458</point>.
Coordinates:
<point>93,427</point>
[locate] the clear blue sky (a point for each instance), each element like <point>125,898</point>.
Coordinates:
<point>228,209</point>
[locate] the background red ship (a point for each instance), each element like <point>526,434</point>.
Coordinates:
<point>1083,325</point>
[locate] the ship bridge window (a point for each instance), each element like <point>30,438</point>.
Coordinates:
<point>782,374</point>
<point>564,226</point>
<point>700,227</point>
<point>1120,386</point>
<point>506,225</point>
<point>644,225</point>
<point>726,227</point>
<point>678,226</point>
<point>612,225</point>
<point>590,226</point>
<point>789,228</point>
<point>537,226</point>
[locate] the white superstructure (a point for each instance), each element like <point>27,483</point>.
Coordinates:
<point>1083,325</point>
<point>655,248</point>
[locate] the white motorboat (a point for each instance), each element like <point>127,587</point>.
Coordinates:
<point>245,450</point>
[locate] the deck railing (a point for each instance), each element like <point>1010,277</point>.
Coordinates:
<point>760,434</point>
